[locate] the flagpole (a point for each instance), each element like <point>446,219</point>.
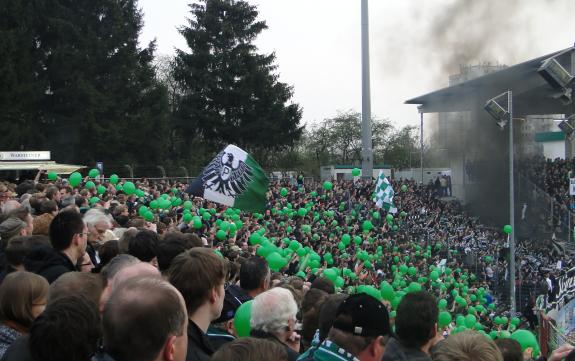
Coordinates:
<point>511,208</point>
<point>366,152</point>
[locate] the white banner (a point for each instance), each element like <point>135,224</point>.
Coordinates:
<point>41,155</point>
<point>572,186</point>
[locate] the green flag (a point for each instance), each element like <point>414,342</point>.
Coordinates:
<point>384,194</point>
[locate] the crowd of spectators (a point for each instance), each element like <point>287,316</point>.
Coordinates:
<point>104,273</point>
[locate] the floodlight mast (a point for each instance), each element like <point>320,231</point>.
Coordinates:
<point>503,116</point>
<point>366,151</point>
<point>511,206</point>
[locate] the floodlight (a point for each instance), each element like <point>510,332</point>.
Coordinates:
<point>564,96</point>
<point>566,128</point>
<point>497,111</point>
<point>555,74</point>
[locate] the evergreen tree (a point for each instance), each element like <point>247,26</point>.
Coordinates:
<point>230,93</point>
<point>95,92</point>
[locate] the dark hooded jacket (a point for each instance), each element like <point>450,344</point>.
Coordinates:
<point>48,263</point>
<point>395,351</point>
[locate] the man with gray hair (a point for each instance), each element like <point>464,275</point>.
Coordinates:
<point>98,223</point>
<point>274,318</point>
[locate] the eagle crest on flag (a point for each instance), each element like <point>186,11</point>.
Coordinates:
<point>227,175</point>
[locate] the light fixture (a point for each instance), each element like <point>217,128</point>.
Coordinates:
<point>566,128</point>
<point>500,114</point>
<point>555,74</point>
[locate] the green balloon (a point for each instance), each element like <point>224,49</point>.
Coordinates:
<point>404,188</point>
<point>206,216</point>
<point>442,304</point>
<point>294,245</point>
<point>101,189</point>
<point>276,261</point>
<point>301,274</point>
<point>90,185</point>
<point>94,200</point>
<point>444,319</point>
<point>242,319</point>
<point>527,340</point>
<point>434,275</point>
<point>154,204</point>
<point>149,216</point>
<point>507,229</point>
<point>346,239</point>
<point>284,192</point>
<point>221,234</point>
<point>470,321</point>
<point>339,282</point>
<point>367,225</point>
<point>355,172</point>
<point>52,176</point>
<point>515,321</point>
<point>187,217</point>
<point>114,178</point>
<point>93,173</point>
<point>142,210</point>
<point>197,222</point>
<point>386,290</point>
<point>129,188</point>
<point>327,186</point>
<point>188,205</point>
<point>75,179</point>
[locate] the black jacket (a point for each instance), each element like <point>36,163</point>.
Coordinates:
<point>292,355</point>
<point>18,351</point>
<point>395,351</point>
<point>218,338</point>
<point>48,263</point>
<point>199,347</point>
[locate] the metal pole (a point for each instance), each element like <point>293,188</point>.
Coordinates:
<point>421,144</point>
<point>366,151</point>
<point>511,208</point>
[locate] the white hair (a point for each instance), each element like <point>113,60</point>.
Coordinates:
<point>95,216</point>
<point>272,310</point>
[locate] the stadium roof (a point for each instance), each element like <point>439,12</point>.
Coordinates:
<point>531,93</point>
<point>49,166</point>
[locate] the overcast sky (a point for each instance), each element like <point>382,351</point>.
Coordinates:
<point>415,44</point>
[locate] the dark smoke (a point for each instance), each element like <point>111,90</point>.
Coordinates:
<point>468,32</point>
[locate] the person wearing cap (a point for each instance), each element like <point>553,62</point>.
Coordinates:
<point>221,331</point>
<point>359,333</point>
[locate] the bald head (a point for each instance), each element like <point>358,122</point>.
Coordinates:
<point>141,316</point>
<point>139,269</point>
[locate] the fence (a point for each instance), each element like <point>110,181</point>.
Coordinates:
<point>550,337</point>
<point>540,215</point>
